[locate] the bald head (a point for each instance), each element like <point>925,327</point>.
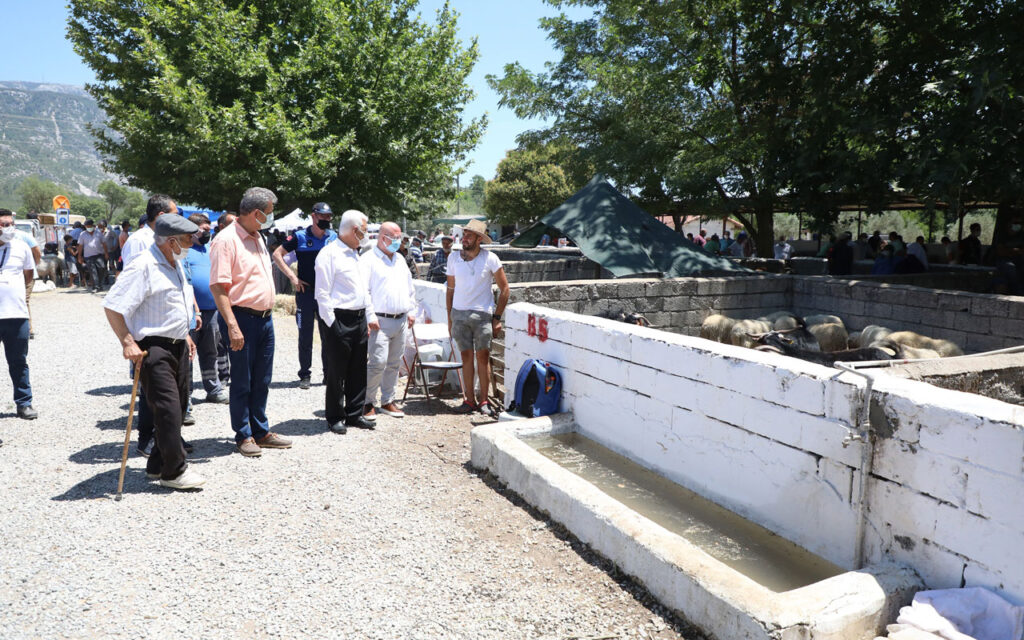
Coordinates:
<point>388,234</point>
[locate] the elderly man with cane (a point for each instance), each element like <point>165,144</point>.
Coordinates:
<point>149,308</point>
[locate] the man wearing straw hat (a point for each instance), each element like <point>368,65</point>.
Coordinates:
<point>473,317</point>
<point>149,308</point>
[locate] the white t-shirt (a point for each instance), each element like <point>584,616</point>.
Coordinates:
<point>15,260</point>
<point>473,280</point>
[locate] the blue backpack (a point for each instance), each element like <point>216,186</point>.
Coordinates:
<point>538,389</point>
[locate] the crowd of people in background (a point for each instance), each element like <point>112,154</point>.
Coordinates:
<point>891,254</point>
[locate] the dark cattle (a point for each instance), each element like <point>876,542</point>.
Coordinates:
<point>628,318</point>
<point>799,337</point>
<point>779,342</point>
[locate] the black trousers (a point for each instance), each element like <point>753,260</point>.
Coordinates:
<point>346,343</point>
<point>165,380</point>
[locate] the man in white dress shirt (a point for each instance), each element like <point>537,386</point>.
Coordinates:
<point>142,240</point>
<point>393,296</point>
<point>346,312</point>
<point>149,308</point>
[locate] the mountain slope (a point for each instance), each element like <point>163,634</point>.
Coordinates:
<point>42,132</point>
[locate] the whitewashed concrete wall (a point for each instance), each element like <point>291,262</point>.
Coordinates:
<point>431,296</point>
<point>763,435</point>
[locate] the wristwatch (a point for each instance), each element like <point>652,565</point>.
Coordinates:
<point>497,317</point>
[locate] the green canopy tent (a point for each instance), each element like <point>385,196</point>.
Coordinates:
<point>460,220</point>
<point>623,238</point>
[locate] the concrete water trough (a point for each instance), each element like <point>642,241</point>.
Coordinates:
<point>723,573</point>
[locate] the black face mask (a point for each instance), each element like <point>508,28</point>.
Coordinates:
<point>204,237</point>
<point>323,225</point>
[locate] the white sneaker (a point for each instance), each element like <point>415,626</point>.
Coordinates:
<point>188,479</point>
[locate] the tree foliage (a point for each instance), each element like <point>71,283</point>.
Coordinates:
<point>530,182</point>
<point>727,106</point>
<point>357,102</point>
<point>37,194</point>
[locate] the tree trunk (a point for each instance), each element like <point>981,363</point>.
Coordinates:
<point>677,221</point>
<point>764,233</point>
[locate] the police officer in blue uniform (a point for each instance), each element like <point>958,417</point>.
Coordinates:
<point>306,243</point>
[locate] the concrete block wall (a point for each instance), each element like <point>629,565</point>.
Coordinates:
<point>764,435</point>
<point>975,321</point>
<point>576,268</point>
<point>678,305</point>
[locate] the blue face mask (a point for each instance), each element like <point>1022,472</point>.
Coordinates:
<point>395,244</point>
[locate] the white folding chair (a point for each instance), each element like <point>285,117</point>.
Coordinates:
<point>430,333</point>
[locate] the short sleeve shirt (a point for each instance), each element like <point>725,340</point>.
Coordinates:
<point>306,247</point>
<point>473,280</point>
<point>240,262</point>
<point>15,260</point>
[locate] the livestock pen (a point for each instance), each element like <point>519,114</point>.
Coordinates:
<point>907,472</point>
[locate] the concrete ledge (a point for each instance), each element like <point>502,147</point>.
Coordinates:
<point>718,599</point>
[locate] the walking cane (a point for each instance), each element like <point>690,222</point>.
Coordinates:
<point>128,429</point>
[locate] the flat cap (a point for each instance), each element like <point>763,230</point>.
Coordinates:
<point>171,224</point>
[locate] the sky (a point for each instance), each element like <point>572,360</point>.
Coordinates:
<point>34,50</point>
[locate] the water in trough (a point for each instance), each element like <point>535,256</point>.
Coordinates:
<point>761,555</point>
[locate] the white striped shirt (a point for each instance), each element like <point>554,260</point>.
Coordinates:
<point>154,297</point>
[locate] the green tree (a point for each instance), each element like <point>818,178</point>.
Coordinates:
<point>357,102</point>
<point>529,183</point>
<point>476,191</point>
<point>93,208</point>
<point>955,79</point>
<point>117,196</point>
<point>702,106</point>
<point>37,194</point>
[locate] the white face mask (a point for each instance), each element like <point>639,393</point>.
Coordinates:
<point>268,223</point>
<point>180,254</point>
<point>365,241</point>
<point>8,233</point>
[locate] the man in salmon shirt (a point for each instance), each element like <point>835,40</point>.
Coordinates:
<point>242,284</point>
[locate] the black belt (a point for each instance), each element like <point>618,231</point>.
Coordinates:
<point>349,313</point>
<point>161,341</point>
<point>392,316</point>
<point>252,312</point>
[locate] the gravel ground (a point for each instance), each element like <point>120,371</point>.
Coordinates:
<point>375,534</point>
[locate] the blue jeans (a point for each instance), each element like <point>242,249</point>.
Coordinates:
<point>305,317</point>
<point>14,336</point>
<point>251,369</point>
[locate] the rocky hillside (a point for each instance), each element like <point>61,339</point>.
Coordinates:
<point>42,132</point>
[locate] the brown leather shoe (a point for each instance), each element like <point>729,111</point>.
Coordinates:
<point>249,448</point>
<point>274,441</point>
<point>370,413</point>
<point>391,409</point>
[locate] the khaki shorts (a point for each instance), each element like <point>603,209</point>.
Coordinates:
<point>471,330</point>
